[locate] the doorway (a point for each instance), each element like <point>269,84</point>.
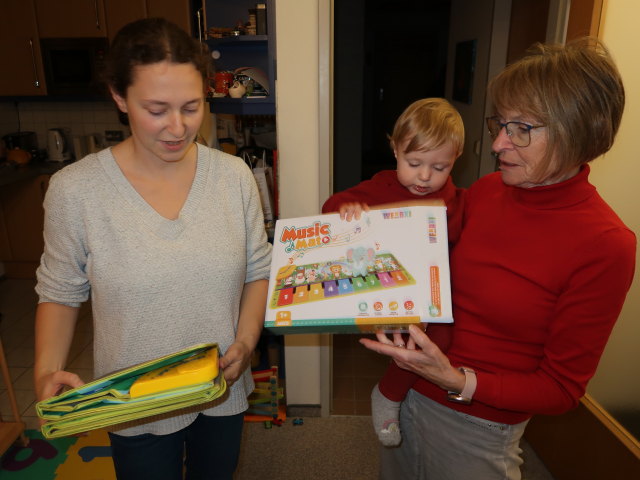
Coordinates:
<point>387,54</point>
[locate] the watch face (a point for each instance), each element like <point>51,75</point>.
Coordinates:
<point>457,398</point>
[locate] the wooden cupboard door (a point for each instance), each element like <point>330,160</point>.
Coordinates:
<point>584,19</point>
<point>24,218</point>
<point>71,18</point>
<point>120,12</point>
<point>22,70</point>
<point>5,245</point>
<point>178,11</point>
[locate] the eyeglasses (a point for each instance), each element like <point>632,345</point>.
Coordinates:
<point>519,133</point>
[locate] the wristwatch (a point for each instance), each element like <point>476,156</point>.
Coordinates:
<point>469,389</point>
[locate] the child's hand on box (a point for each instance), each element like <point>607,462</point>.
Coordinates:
<point>353,210</point>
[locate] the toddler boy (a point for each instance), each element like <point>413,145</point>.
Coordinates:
<point>427,139</point>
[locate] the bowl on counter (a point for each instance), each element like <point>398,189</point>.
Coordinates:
<point>18,156</point>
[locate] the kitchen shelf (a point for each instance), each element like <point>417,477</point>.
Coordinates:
<point>233,52</point>
<point>242,106</point>
<point>239,40</point>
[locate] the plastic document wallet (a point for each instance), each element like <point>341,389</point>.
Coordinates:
<point>183,379</point>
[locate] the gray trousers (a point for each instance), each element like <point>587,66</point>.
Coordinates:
<point>439,443</point>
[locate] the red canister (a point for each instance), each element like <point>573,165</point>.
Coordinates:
<point>223,80</point>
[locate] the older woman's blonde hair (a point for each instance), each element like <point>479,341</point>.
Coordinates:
<point>428,124</point>
<point>575,91</point>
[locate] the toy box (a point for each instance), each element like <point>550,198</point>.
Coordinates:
<point>384,271</point>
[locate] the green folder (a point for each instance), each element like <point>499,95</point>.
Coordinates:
<point>114,399</point>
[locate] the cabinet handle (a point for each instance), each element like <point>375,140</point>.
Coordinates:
<point>36,80</point>
<point>199,15</point>
<point>95,7</point>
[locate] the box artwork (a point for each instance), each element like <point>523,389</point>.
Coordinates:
<point>383,272</point>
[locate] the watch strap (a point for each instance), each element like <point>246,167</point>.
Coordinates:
<point>470,384</point>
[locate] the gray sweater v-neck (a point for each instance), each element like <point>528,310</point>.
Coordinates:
<point>156,285</point>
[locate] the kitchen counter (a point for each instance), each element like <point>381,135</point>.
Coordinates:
<point>10,173</point>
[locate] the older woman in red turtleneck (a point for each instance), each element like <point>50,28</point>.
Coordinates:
<point>539,275</point>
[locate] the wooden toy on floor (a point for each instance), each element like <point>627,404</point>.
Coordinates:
<point>264,401</point>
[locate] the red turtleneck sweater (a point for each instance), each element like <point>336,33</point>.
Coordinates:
<point>539,277</point>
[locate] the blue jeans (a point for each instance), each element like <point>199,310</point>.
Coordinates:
<point>207,449</point>
<point>439,443</point>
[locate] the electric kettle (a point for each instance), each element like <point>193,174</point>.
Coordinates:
<point>57,146</point>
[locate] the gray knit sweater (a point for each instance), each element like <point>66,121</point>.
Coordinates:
<point>156,285</point>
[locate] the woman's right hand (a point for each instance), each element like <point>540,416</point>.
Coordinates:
<point>52,384</point>
<point>352,210</point>
<point>420,356</point>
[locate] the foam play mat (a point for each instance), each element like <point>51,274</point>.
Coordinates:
<point>69,458</point>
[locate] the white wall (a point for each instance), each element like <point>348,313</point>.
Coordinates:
<point>297,116</point>
<point>616,177</point>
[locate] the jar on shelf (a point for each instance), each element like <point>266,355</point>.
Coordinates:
<point>222,82</point>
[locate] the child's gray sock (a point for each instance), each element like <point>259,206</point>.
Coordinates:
<point>385,414</point>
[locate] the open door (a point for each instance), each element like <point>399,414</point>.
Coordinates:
<point>478,37</point>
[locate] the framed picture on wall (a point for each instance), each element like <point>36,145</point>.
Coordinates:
<point>465,64</point>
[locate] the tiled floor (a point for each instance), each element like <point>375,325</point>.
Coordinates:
<point>18,305</point>
<point>355,371</point>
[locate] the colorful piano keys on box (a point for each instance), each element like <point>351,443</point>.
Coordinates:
<point>307,283</point>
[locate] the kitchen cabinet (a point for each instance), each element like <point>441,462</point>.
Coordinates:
<point>21,241</point>
<point>178,11</point>
<point>24,22</point>
<point>232,52</point>
<point>22,71</point>
<point>71,18</point>
<point>12,430</point>
<point>120,12</point>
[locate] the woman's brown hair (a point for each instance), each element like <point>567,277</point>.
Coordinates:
<point>148,41</point>
<point>575,91</point>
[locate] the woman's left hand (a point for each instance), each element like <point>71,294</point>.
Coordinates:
<point>420,356</point>
<point>235,361</point>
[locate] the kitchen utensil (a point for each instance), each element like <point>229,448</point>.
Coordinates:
<point>222,82</point>
<point>24,140</point>
<point>237,90</point>
<point>57,145</point>
<point>256,74</point>
<point>18,156</point>
<point>83,145</point>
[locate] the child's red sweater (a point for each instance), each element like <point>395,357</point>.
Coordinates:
<point>385,188</point>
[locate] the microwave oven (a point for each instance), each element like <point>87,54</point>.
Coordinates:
<point>73,66</point>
